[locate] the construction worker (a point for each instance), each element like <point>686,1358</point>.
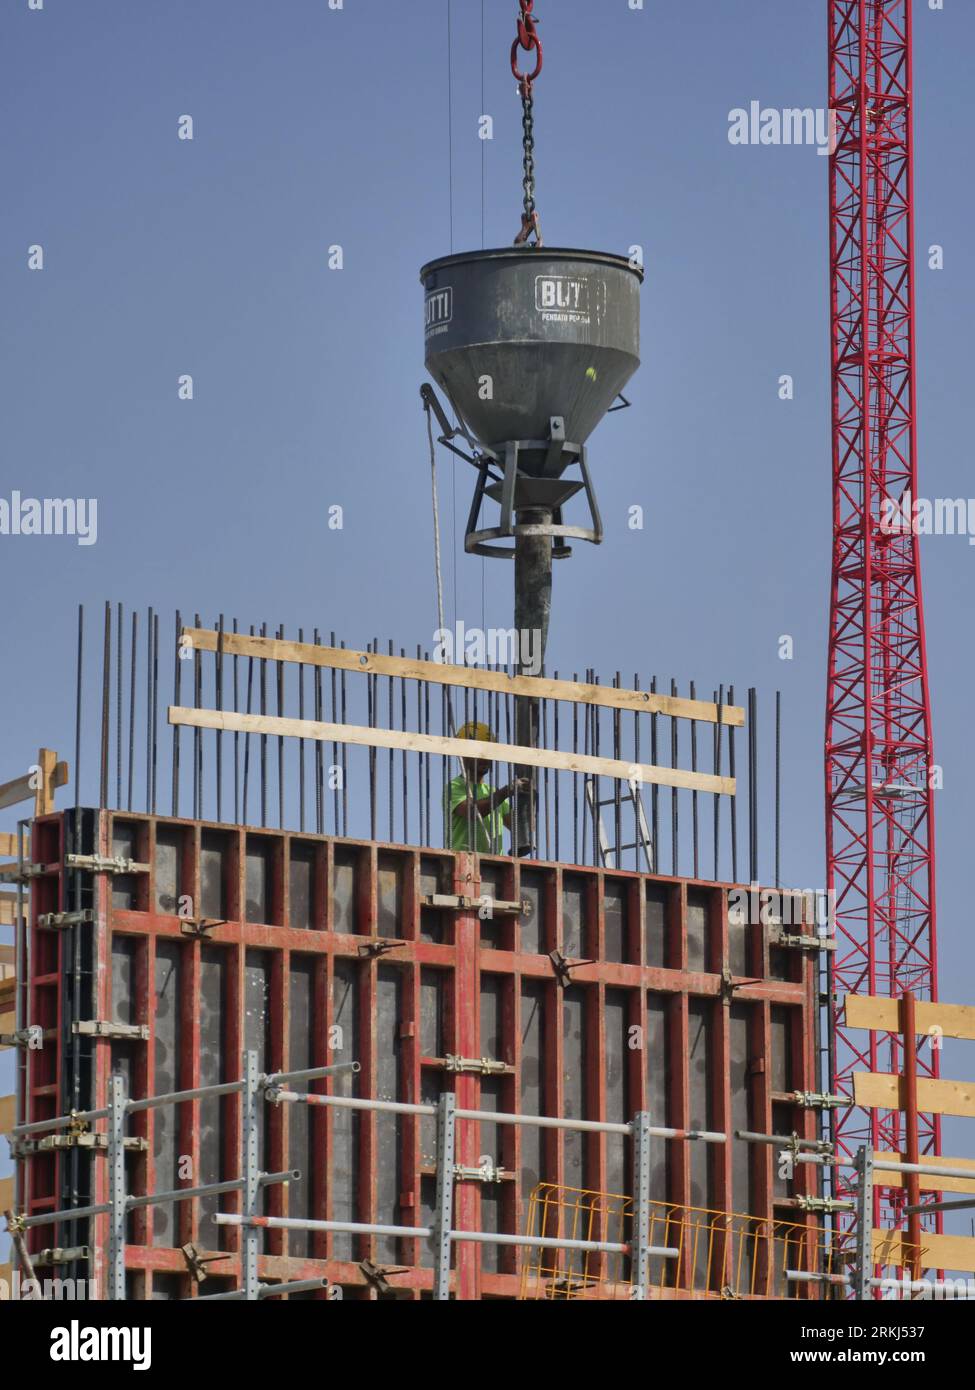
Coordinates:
<point>477,814</point>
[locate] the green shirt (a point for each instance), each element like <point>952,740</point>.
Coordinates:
<point>488,830</point>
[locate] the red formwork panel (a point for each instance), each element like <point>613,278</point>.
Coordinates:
<point>313,950</point>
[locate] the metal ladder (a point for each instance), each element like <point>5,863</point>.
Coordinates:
<point>610,854</point>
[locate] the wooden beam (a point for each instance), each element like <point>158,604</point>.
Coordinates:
<point>40,786</point>
<point>8,992</point>
<point>6,1193</point>
<point>7,955</point>
<point>937,1252</point>
<point>885,1091</point>
<point>8,909</point>
<point>8,843</point>
<point>365,737</point>
<point>8,1024</point>
<point>439,673</point>
<point>47,761</point>
<point>951,1020</point>
<point>966,1186</point>
<point>8,1113</point>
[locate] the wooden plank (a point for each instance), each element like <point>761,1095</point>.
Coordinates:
<point>885,1091</point>
<point>6,1193</point>
<point>951,1020</point>
<point>20,789</point>
<point>449,747</point>
<point>8,990</point>
<point>440,673</point>
<point>8,1023</point>
<point>7,954</point>
<point>963,1185</point>
<point>47,761</point>
<point>8,909</point>
<point>8,1113</point>
<point>8,844</point>
<point>27,788</point>
<point>937,1252</point>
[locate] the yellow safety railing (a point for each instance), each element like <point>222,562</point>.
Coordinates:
<point>720,1254</point>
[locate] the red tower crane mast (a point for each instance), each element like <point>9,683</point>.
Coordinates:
<point>879,794</point>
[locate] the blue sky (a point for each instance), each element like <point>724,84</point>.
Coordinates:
<point>315,127</point>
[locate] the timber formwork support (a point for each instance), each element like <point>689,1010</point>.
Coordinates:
<point>589,994</point>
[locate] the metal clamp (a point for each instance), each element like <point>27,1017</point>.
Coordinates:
<point>200,926</point>
<point>378,1278</point>
<point>101,1028</point>
<point>461,902</point>
<point>796,1145</point>
<point>485,1172</point>
<point>729,983</point>
<point>20,873</point>
<point>59,920</point>
<point>562,966</point>
<point>802,942</point>
<point>378,947</point>
<point>485,1066</point>
<point>814,1100</point>
<point>80,1139</point>
<point>824,1204</point>
<point>105,864</point>
<point>60,1255</point>
<point>196,1263</point>
<point>31,1038</point>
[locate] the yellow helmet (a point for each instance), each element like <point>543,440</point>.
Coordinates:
<point>479,732</point>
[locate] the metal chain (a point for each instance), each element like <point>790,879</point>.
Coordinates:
<point>529,41</point>
<point>529,221</point>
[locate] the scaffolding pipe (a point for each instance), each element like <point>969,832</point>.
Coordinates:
<point>225,1088</point>
<point>296,1223</point>
<point>784,1139</point>
<point>263,1291</point>
<point>277,1078</point>
<point>70,1214</point>
<point>186,1194</point>
<point>39,1126</point>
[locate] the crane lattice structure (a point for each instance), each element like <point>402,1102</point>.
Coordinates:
<point>879,795</point>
